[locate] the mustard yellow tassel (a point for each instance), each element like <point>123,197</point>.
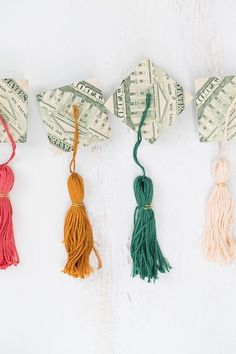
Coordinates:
<point>78,234</point>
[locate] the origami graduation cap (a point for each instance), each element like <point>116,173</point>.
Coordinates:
<point>168,100</point>
<point>216,114</point>
<point>148,101</point>
<point>14,109</point>
<point>56,112</point>
<point>75,115</point>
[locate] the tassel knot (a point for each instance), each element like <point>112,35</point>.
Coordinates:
<point>143,191</point>
<point>76,188</point>
<point>221,171</point>
<point>6,180</point>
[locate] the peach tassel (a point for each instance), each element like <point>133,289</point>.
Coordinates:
<point>218,242</point>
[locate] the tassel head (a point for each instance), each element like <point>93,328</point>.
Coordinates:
<point>221,171</point>
<point>6,179</point>
<point>143,190</point>
<point>75,186</point>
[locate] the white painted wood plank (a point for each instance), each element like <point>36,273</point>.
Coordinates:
<point>189,311</point>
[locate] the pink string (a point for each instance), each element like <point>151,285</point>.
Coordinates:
<point>13,144</point>
<point>8,252</point>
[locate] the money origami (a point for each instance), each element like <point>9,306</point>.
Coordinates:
<point>169,100</point>
<point>216,114</point>
<point>213,97</point>
<point>75,115</point>
<point>148,101</point>
<point>56,112</point>
<point>14,109</point>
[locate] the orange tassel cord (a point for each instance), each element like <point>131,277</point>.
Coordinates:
<point>78,233</point>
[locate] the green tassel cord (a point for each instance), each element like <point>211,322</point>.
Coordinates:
<point>146,254</point>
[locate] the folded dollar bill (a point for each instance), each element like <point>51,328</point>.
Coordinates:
<point>14,108</point>
<point>168,100</point>
<point>56,112</point>
<point>213,97</point>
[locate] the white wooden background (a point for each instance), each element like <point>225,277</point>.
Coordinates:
<point>192,310</point>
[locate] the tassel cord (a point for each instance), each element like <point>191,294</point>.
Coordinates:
<point>139,134</point>
<point>13,144</point>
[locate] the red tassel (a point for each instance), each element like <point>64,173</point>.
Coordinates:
<point>8,252</point>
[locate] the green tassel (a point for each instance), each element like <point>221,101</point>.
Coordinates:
<point>146,254</point>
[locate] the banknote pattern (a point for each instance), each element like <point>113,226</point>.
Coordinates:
<point>168,100</point>
<point>14,108</point>
<point>213,97</point>
<point>56,112</point>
